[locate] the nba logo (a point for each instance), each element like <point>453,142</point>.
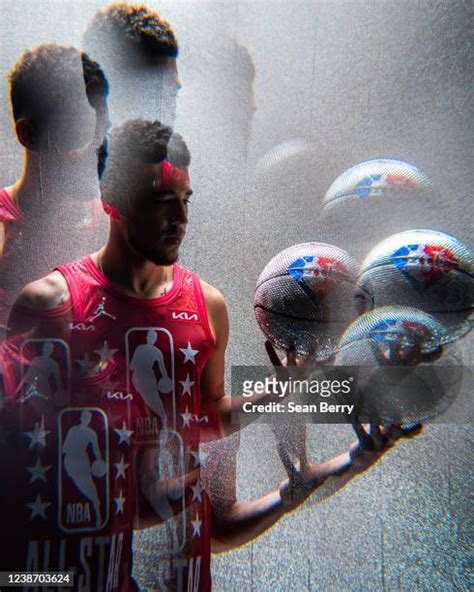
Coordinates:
<point>395,339</point>
<point>424,265</point>
<point>83,469</point>
<point>45,370</point>
<point>150,370</point>
<point>316,273</point>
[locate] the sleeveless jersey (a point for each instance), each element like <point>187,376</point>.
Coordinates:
<point>83,228</point>
<point>10,217</point>
<point>101,431</point>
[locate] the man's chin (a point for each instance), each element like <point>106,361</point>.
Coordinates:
<point>161,258</point>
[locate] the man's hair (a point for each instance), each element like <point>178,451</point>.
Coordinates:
<point>142,141</point>
<point>122,34</point>
<point>47,81</point>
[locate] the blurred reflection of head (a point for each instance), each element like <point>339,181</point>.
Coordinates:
<point>138,50</point>
<point>244,99</point>
<point>58,100</point>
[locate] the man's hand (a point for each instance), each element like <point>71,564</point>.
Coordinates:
<point>362,455</point>
<point>291,358</point>
<point>291,439</point>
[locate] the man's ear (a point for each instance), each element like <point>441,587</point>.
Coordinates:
<point>27,133</point>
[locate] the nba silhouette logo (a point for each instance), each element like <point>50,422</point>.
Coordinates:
<point>45,370</point>
<point>150,370</point>
<point>83,469</point>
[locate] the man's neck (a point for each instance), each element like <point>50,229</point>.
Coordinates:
<point>44,184</point>
<point>131,273</point>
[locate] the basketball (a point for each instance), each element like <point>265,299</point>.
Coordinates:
<point>165,385</point>
<point>288,151</point>
<point>375,178</point>
<point>426,269</point>
<point>402,377</point>
<point>304,298</point>
<point>99,468</point>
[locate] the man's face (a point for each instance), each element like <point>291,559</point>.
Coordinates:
<point>150,92</point>
<point>72,145</point>
<point>157,215</point>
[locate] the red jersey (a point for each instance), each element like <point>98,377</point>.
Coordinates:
<point>10,217</point>
<point>102,424</point>
<point>31,247</point>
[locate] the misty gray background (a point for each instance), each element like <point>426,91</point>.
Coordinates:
<point>356,80</point>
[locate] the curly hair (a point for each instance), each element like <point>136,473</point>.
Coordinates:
<point>97,85</point>
<point>139,140</point>
<point>128,32</point>
<point>46,81</point>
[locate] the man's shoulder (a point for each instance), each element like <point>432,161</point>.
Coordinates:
<point>212,295</point>
<point>9,211</point>
<point>48,292</point>
<point>217,312</point>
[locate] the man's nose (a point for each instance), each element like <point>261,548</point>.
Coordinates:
<point>180,213</point>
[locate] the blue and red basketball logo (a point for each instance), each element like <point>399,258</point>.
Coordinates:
<point>368,186</point>
<point>317,273</point>
<point>400,181</point>
<point>424,265</point>
<point>376,183</point>
<point>394,338</point>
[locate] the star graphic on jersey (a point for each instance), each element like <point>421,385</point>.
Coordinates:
<point>189,353</point>
<point>121,468</point>
<point>120,500</point>
<point>86,364</point>
<point>196,526</point>
<point>186,384</point>
<point>197,492</point>
<point>38,471</point>
<point>106,354</point>
<point>38,507</point>
<point>38,435</point>
<point>187,417</point>
<point>124,434</point>
<point>200,457</point>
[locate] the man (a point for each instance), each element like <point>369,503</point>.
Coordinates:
<point>137,48</point>
<point>152,466</point>
<point>58,100</point>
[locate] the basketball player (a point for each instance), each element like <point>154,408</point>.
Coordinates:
<point>58,99</point>
<point>143,294</point>
<point>137,48</point>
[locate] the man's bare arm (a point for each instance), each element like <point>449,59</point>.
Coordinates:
<point>36,297</point>
<point>237,523</point>
<point>213,377</point>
